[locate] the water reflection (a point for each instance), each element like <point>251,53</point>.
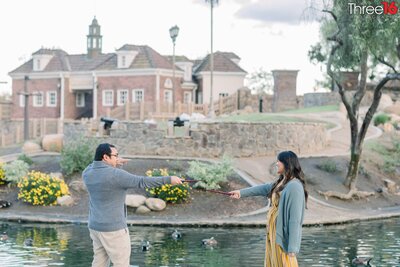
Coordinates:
<point>70,245</point>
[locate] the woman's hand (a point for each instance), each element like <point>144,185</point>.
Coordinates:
<point>235,194</point>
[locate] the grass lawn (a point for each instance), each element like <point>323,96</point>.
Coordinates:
<point>314,109</point>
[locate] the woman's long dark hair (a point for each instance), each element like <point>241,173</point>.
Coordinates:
<point>292,170</point>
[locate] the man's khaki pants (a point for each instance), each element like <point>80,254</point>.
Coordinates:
<point>114,246</point>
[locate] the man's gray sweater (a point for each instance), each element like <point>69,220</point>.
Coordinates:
<point>107,187</point>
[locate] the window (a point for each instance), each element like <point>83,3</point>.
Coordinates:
<point>187,97</point>
<point>123,61</point>
<point>38,64</point>
<point>168,83</point>
<point>80,100</point>
<point>108,98</point>
<point>138,95</point>
<point>122,97</point>
<point>22,100</point>
<point>38,99</point>
<point>51,99</point>
<point>167,96</point>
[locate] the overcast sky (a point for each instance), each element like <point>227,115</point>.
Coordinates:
<point>264,33</point>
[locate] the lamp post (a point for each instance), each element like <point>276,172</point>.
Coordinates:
<point>26,114</point>
<point>173,33</point>
<point>211,112</point>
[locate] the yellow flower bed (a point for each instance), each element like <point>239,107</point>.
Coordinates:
<point>167,192</point>
<point>39,188</point>
<point>2,175</point>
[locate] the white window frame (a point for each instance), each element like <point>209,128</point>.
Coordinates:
<point>49,98</point>
<point>22,101</point>
<point>187,97</point>
<point>121,100</point>
<point>36,97</point>
<point>108,103</point>
<point>168,96</point>
<point>78,102</point>
<point>135,93</point>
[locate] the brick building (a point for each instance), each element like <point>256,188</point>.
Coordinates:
<point>67,86</point>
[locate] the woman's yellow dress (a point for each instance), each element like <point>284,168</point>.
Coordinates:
<point>275,256</point>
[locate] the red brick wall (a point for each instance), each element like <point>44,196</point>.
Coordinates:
<point>36,85</point>
<point>148,83</point>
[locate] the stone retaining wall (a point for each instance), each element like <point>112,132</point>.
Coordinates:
<point>213,139</point>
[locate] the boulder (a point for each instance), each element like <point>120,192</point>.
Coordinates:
<point>65,200</point>
<point>135,201</point>
<point>390,185</point>
<point>143,210</point>
<point>77,186</point>
<point>155,204</point>
<point>386,101</point>
<point>53,142</point>
<point>393,109</point>
<point>31,147</point>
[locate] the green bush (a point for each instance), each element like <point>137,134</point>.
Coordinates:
<point>15,171</point>
<point>76,155</point>
<point>211,176</point>
<point>328,166</point>
<point>381,119</point>
<point>25,159</point>
<point>2,174</point>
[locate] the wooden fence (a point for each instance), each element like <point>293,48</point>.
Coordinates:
<point>5,110</point>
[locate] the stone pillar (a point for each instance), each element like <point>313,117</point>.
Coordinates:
<point>284,90</point>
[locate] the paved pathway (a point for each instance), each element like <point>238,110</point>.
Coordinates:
<point>256,171</point>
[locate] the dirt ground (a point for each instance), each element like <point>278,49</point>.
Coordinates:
<point>203,205</point>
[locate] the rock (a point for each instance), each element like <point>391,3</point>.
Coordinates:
<point>135,201</point>
<point>31,147</point>
<point>53,142</point>
<point>58,175</point>
<point>65,200</point>
<point>78,186</point>
<point>393,109</point>
<point>142,210</point>
<point>390,185</point>
<point>386,101</point>
<point>155,204</point>
<point>388,127</point>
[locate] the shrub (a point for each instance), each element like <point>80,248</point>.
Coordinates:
<point>39,188</point>
<point>15,170</point>
<point>328,166</point>
<point>2,174</point>
<point>168,193</point>
<point>381,119</point>
<point>25,159</point>
<point>211,176</point>
<point>77,155</point>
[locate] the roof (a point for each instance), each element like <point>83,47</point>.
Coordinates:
<point>147,57</point>
<point>222,63</point>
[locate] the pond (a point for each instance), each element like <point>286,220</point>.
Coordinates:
<point>70,245</point>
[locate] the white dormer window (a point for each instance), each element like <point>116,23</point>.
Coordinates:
<point>125,58</point>
<point>168,83</point>
<point>40,61</point>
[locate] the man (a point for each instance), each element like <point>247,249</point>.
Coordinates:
<point>107,187</point>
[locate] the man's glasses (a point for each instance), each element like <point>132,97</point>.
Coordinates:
<point>115,155</point>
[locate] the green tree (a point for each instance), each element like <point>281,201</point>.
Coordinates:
<point>260,81</point>
<point>365,42</point>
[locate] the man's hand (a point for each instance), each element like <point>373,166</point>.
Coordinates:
<point>235,194</point>
<point>176,180</point>
<point>121,161</point>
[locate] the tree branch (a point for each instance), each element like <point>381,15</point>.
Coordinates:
<point>384,62</point>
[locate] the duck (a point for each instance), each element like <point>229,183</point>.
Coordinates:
<point>4,204</point>
<point>28,242</point>
<point>4,236</point>
<point>360,261</point>
<point>146,245</point>
<point>209,242</point>
<point>176,235</point>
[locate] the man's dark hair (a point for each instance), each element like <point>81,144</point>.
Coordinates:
<point>101,150</point>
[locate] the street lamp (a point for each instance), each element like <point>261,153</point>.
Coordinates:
<point>211,112</point>
<point>173,33</point>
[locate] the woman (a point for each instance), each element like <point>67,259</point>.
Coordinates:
<point>288,197</point>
